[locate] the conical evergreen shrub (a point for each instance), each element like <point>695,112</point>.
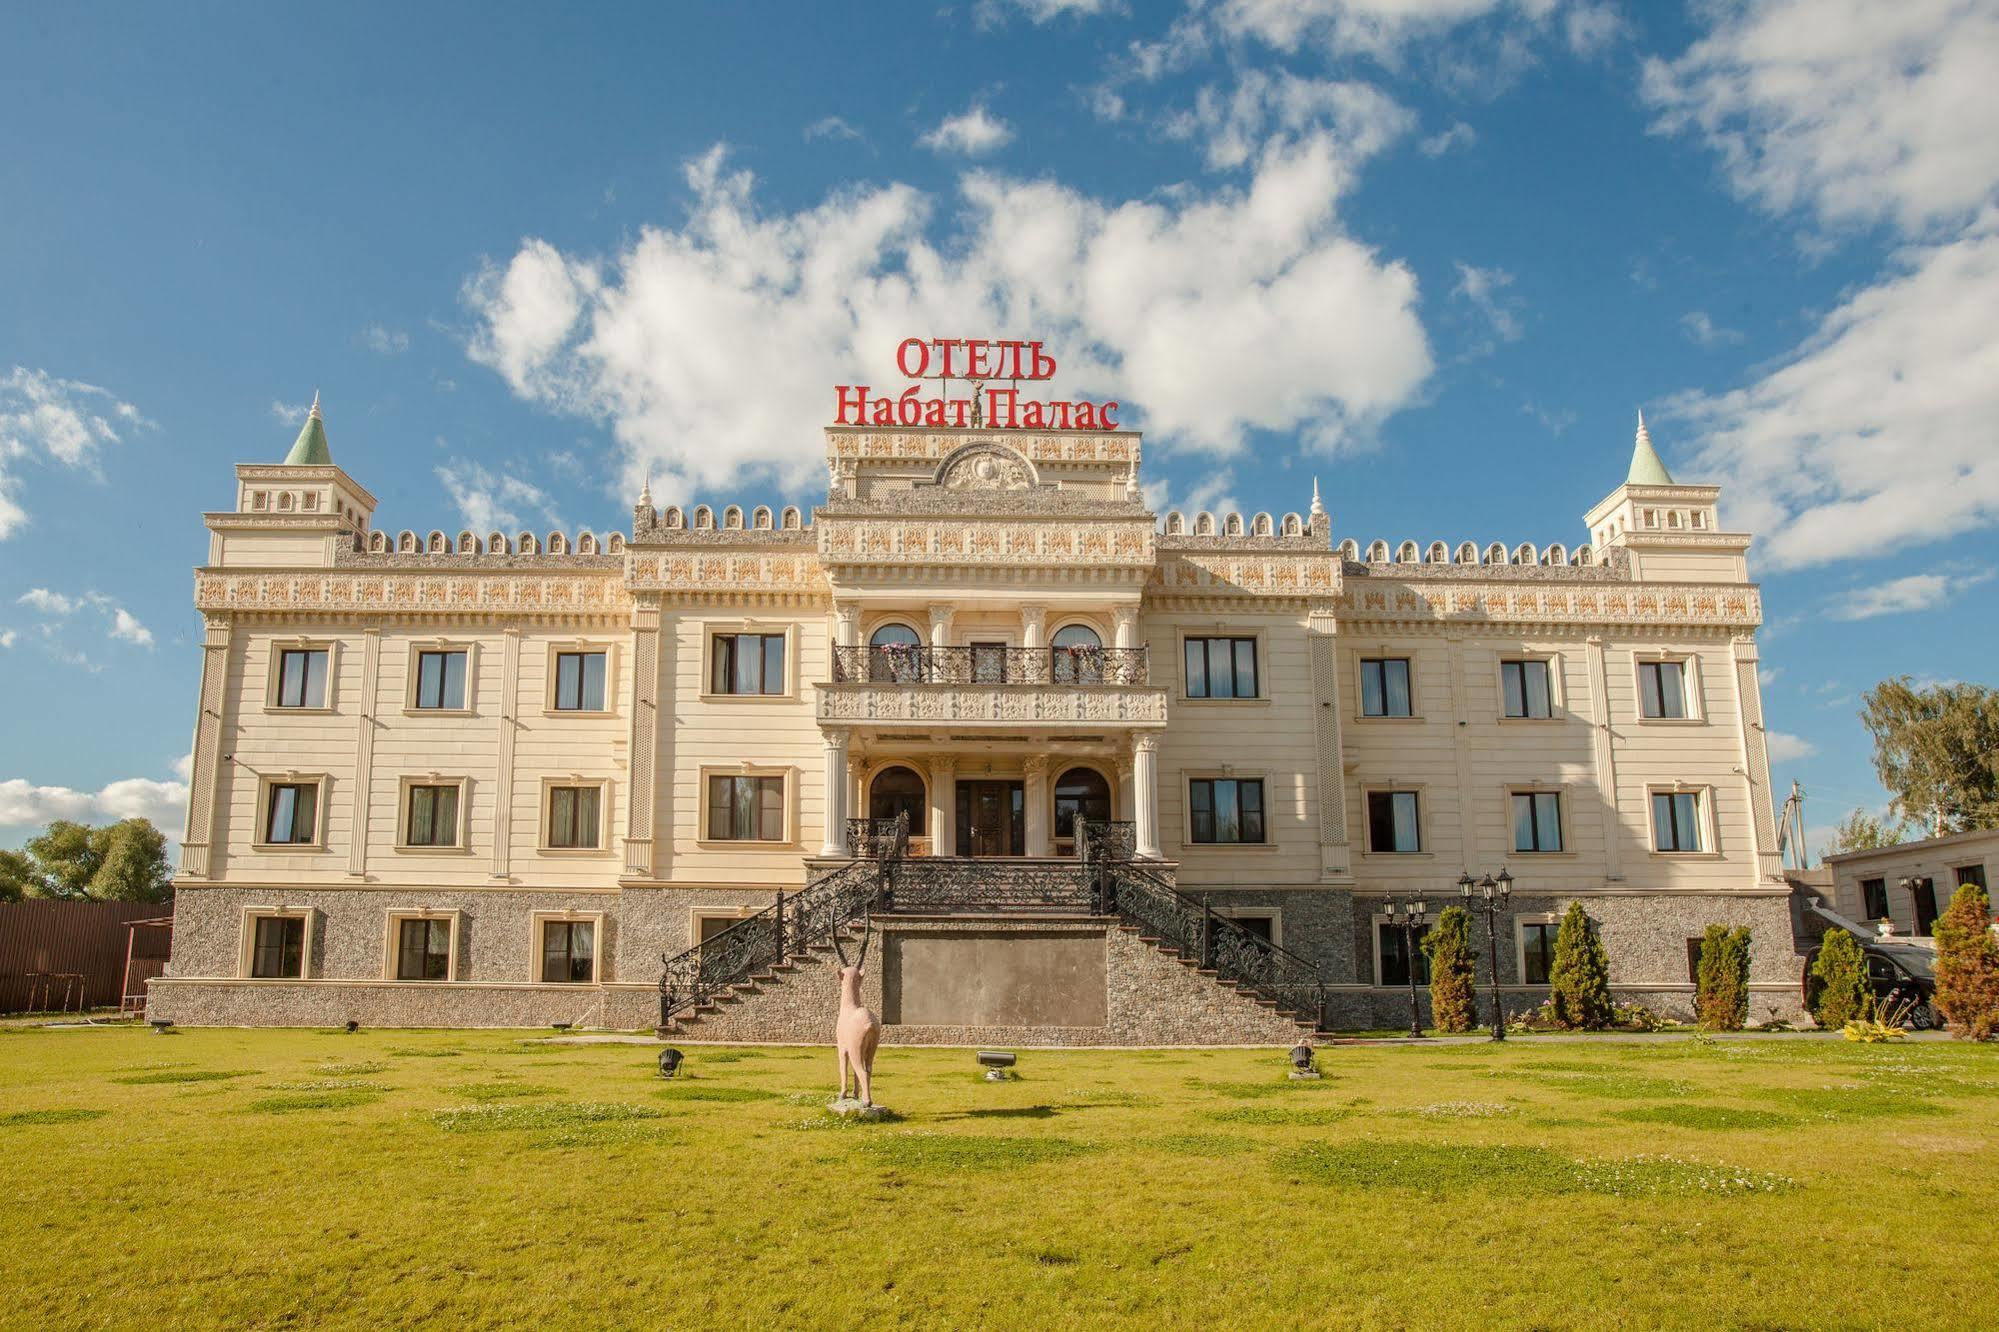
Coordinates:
<point>1453,985</point>
<point>1579,978</point>
<point>1843,992</point>
<point>1968,965</point>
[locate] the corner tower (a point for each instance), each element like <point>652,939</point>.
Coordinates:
<point>293,513</point>
<point>1668,530</point>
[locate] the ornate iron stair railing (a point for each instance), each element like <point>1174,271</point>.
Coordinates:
<point>754,945</point>
<point>1120,887</point>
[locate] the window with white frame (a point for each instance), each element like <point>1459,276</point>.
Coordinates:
<point>580,680</point>
<point>440,680</point>
<point>1662,690</point>
<point>1537,821</point>
<point>1384,687</point>
<point>1221,668</point>
<point>1394,821</point>
<point>291,813</point>
<point>1524,691</point>
<point>1537,950</point>
<point>568,952</point>
<point>301,677</point>
<point>1225,810</point>
<point>423,948</point>
<point>430,813</point>
<point>277,946</point>
<point>575,816</point>
<point>746,664</point>
<point>1678,821</point>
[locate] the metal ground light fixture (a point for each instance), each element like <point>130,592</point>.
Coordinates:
<point>1489,896</point>
<point>1409,917</point>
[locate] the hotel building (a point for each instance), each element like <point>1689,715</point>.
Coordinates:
<point>497,779</point>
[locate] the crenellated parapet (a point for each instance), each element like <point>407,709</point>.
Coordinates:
<point>495,549</point>
<point>701,524</point>
<point>1441,557</point>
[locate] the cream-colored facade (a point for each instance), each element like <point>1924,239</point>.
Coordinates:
<point>990,631</point>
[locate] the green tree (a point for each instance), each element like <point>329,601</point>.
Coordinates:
<point>1861,831</point>
<point>1721,992</point>
<point>120,862</point>
<point>1968,965</point>
<point>17,875</point>
<point>1453,983</point>
<point>1937,750</point>
<point>1843,992</point>
<point>1579,977</point>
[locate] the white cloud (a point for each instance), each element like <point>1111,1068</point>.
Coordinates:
<point>1877,432</point>
<point>1037,12</point>
<point>49,420</point>
<point>1786,748</point>
<point>490,502</point>
<point>1917,592</point>
<point>973,132</point>
<point>165,803</point>
<point>1383,27</point>
<point>184,766</point>
<point>1704,332</point>
<point>1856,110</point>
<point>1459,135</point>
<point>1767,675</point>
<point>1218,312</point>
<point>8,637</point>
<point>1485,289</point>
<point>287,414</point>
<point>125,625</point>
<point>49,603</point>
<point>832,127</point>
<point>385,341</point>
<point>1238,126</point>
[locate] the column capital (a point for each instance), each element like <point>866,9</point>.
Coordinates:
<point>835,737</point>
<point>1145,742</point>
<point>942,613</point>
<point>1036,616</point>
<point>942,764</point>
<point>1035,765</point>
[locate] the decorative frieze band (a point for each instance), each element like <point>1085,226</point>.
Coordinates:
<point>877,541</point>
<point>1003,705</point>
<point>739,572</point>
<point>1687,604</point>
<point>930,445</point>
<point>463,594</point>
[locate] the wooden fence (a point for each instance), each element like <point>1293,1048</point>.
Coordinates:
<point>52,951</point>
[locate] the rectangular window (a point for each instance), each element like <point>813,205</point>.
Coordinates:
<point>1384,687</point>
<point>747,664</point>
<point>1395,961</point>
<point>423,949</point>
<point>431,816</point>
<point>1694,945</point>
<point>1524,687</point>
<point>1874,898</point>
<point>440,681</point>
<point>278,948</point>
<point>1221,668</point>
<point>291,813</point>
<point>1537,821</point>
<point>1662,689</point>
<point>1226,809</point>
<point>1972,874</point>
<point>1676,821</point>
<point>579,682</point>
<point>745,809</point>
<point>569,952</point>
<point>302,678</point>
<point>1392,822</point>
<point>572,817</point>
<point>1537,950</point>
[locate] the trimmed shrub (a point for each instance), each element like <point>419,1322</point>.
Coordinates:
<point>1843,992</point>
<point>1721,993</point>
<point>1579,978</point>
<point>1453,987</point>
<point>1968,965</point>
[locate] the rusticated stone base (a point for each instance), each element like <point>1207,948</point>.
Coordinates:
<point>330,1003</point>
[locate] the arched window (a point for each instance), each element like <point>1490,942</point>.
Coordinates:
<point>897,658</point>
<point>1079,793</point>
<point>895,791</point>
<point>1076,655</point>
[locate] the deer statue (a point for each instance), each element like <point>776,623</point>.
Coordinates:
<point>858,1030</point>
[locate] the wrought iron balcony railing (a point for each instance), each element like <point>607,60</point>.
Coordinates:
<point>989,664</point>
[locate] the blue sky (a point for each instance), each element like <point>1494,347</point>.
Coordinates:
<point>1432,252</point>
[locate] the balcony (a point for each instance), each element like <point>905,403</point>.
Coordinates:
<point>991,685</point>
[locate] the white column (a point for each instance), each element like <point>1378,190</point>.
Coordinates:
<point>1036,798</point>
<point>1033,620</point>
<point>846,624</point>
<point>940,624</point>
<point>1145,794</point>
<point>1124,621</point>
<point>835,739</point>
<point>944,804</point>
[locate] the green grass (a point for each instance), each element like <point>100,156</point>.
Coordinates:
<point>480,1179</point>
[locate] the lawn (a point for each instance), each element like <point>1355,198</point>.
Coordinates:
<point>486,1179</point>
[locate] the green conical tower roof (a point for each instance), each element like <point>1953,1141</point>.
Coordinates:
<point>309,449</point>
<point>1646,469</point>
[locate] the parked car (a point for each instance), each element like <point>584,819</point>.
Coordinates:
<point>1900,973</point>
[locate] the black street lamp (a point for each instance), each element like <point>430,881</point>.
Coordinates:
<point>1409,916</point>
<point>1489,895</point>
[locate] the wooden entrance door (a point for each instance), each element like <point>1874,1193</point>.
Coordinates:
<point>992,818</point>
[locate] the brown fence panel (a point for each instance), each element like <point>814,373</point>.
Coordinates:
<point>44,940</point>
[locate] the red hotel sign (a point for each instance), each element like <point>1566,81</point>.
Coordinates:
<point>976,361</point>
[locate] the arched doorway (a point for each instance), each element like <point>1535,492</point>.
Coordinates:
<point>900,790</point>
<point>1079,793</point>
<point>895,655</point>
<point>1076,655</point>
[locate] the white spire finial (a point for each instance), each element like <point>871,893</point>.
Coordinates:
<point>645,491</point>
<point>1318,509</point>
<point>314,413</point>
